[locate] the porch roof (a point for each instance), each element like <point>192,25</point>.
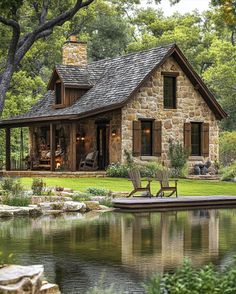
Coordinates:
<point>113,81</point>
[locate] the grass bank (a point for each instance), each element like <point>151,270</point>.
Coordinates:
<point>185,187</point>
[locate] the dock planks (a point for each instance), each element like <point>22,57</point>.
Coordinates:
<point>184,202</point>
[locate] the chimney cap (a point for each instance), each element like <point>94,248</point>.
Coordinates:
<point>74,39</point>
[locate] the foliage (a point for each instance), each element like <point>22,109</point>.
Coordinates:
<point>188,280</point>
<point>121,170</point>
<point>97,191</point>
<point>228,173</point>
<point>5,259</point>
<point>12,187</point>
<point>106,201</point>
<point>227,147</point>
<point>178,156</point>
<point>38,186</point>
<point>117,170</point>
<point>16,200</point>
<point>82,197</point>
<point>150,169</point>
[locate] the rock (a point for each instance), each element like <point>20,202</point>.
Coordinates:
<point>25,279</point>
<point>21,279</point>
<point>66,194</point>
<point>92,205</point>
<point>21,211</point>
<point>74,206</point>
<point>68,190</point>
<point>48,288</point>
<point>42,199</point>
<point>6,213</point>
<point>103,207</point>
<point>36,211</point>
<point>57,205</point>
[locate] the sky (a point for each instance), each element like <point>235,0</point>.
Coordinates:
<point>182,7</point>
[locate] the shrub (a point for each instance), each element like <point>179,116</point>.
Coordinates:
<point>16,200</point>
<point>118,170</point>
<point>106,202</point>
<point>227,147</point>
<point>178,156</point>
<point>12,187</point>
<point>82,197</point>
<point>228,173</point>
<point>188,280</point>
<point>38,186</point>
<point>150,169</point>
<point>97,191</point>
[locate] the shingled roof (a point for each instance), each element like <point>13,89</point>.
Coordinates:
<point>111,83</point>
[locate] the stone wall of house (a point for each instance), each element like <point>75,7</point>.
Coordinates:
<point>89,127</point>
<point>148,103</point>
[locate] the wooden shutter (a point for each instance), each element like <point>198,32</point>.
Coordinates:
<point>187,136</point>
<point>205,139</point>
<point>136,138</point>
<point>157,138</point>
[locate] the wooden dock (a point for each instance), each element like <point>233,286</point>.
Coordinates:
<point>180,203</point>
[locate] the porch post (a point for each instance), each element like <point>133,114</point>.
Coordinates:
<point>8,148</point>
<point>73,147</point>
<point>52,146</point>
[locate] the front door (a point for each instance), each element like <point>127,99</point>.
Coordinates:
<point>103,145</point>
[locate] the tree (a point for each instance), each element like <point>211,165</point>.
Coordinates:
<point>23,38</point>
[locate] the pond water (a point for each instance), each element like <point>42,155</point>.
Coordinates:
<point>123,249</point>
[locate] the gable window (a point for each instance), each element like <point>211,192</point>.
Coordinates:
<point>146,138</point>
<point>58,94</point>
<point>169,92</point>
<point>196,130</point>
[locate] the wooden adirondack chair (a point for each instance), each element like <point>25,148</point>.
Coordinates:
<point>90,162</point>
<point>163,178</point>
<point>135,177</point>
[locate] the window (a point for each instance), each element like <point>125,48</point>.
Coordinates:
<point>58,93</point>
<point>196,139</point>
<point>146,138</point>
<point>169,92</point>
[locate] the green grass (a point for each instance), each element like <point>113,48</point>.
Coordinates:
<point>185,187</point>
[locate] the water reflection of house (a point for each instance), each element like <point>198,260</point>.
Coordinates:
<point>159,242</point>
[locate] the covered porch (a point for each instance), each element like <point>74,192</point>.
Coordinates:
<point>64,146</point>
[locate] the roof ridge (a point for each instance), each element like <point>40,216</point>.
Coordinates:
<point>170,45</point>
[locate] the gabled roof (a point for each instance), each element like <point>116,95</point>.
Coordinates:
<point>112,82</point>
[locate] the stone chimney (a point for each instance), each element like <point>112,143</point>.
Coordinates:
<point>74,52</point>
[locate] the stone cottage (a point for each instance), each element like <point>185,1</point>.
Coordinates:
<point>137,102</point>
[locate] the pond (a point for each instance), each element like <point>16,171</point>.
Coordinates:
<point>123,249</point>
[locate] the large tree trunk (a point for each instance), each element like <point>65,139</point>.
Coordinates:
<point>4,85</point>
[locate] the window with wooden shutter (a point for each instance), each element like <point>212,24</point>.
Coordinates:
<point>157,138</point>
<point>136,138</point>
<point>187,136</point>
<point>196,139</point>
<point>205,139</point>
<point>169,92</point>
<point>146,138</point>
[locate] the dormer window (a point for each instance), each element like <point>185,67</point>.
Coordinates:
<point>58,93</point>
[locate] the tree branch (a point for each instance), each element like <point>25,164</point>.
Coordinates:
<point>10,22</point>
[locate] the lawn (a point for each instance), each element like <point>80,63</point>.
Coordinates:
<point>185,187</point>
